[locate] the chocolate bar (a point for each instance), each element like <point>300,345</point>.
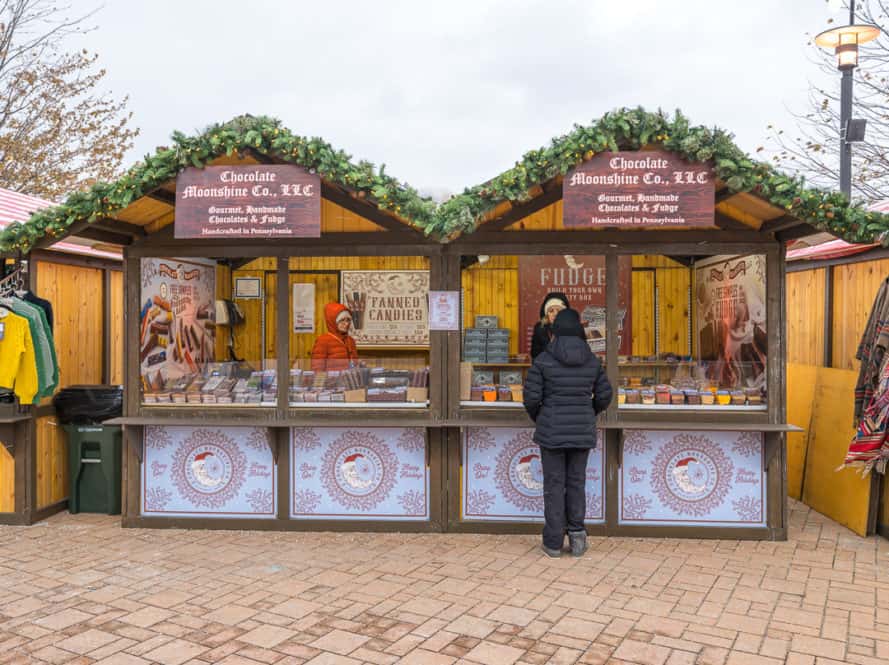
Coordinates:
<point>157,358</point>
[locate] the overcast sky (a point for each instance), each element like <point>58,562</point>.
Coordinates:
<point>448,94</point>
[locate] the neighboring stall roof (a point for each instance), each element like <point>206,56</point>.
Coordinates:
<point>15,206</point>
<point>750,194</point>
<point>833,248</point>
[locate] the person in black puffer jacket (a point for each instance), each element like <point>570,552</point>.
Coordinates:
<point>565,390</point>
<point>554,303</point>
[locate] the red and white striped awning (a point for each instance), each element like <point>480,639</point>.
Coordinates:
<point>16,207</point>
<point>835,249</point>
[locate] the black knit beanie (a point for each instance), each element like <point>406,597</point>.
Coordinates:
<point>567,324</point>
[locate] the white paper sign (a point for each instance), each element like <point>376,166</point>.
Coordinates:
<point>303,308</point>
<point>444,310</point>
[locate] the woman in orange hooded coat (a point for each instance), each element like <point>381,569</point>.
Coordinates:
<point>335,350</point>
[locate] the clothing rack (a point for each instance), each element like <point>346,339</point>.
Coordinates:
<point>17,280</point>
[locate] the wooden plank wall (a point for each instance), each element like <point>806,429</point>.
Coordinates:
<point>52,462</point>
<point>673,282</point>
<point>805,317</point>
<point>7,481</point>
<point>492,288</point>
<point>76,295</point>
<point>643,312</point>
<point>855,287</point>
<point>115,376</point>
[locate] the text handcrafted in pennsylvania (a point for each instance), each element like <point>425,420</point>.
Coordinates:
<point>638,189</point>
<point>257,201</point>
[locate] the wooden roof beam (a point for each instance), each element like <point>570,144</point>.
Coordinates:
<point>95,231</point>
<point>163,196</point>
<point>366,210</point>
<point>122,228</point>
<point>346,199</point>
<point>780,224</point>
<point>522,210</point>
<point>723,194</point>
<point>727,223</point>
<point>795,232</point>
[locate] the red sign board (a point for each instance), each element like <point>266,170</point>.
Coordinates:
<point>638,189</point>
<point>256,201</point>
<point>582,280</point>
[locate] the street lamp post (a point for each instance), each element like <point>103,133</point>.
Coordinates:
<point>845,41</point>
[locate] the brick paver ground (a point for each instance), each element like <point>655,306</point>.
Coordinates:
<point>79,589</point>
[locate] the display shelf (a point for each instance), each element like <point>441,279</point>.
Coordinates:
<point>359,405</point>
<point>9,420</point>
<point>500,364</point>
<point>495,405</point>
<point>652,363</point>
<point>693,407</point>
<point>171,405</point>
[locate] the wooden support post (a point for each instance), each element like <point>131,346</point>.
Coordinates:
<point>282,334</point>
<point>828,316</point>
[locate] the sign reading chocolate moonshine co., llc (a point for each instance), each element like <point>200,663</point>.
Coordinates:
<point>638,189</point>
<point>256,201</point>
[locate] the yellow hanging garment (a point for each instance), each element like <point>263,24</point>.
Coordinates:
<point>18,366</point>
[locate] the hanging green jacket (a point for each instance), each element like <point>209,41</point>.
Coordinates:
<point>44,346</point>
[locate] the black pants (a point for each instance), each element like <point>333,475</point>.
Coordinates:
<point>564,492</point>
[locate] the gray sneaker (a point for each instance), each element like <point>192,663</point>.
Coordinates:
<point>553,554</point>
<point>577,540</point>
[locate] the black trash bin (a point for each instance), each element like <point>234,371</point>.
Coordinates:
<point>94,449</point>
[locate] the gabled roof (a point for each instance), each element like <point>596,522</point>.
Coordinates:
<point>245,135</point>
<point>750,192</point>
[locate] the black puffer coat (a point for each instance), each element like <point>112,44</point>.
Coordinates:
<point>543,331</point>
<point>566,388</point>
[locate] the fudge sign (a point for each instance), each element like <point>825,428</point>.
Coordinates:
<point>256,201</point>
<point>638,189</point>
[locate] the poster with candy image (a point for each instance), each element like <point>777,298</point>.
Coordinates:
<point>177,332</point>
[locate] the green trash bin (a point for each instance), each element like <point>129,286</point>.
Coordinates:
<point>94,453</point>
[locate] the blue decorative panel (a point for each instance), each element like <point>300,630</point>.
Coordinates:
<point>208,472</point>
<point>693,479</point>
<point>352,473</point>
<point>503,477</point>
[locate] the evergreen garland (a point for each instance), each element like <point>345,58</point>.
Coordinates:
<point>624,129</point>
<point>631,129</point>
<point>261,134</point>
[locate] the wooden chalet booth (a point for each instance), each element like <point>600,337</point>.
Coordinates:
<point>675,264</point>
<point>690,326</point>
<point>82,277</point>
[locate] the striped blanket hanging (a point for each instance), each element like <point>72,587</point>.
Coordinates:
<point>871,348</point>
<point>869,449</point>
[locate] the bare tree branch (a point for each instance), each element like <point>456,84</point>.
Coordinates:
<point>57,131</point>
<point>812,148</point>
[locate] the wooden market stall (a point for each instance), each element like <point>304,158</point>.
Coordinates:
<point>83,280</point>
<point>830,293</point>
<point>231,423</point>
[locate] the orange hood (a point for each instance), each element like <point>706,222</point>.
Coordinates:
<point>331,311</point>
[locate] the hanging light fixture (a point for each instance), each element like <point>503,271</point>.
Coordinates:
<point>845,41</point>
